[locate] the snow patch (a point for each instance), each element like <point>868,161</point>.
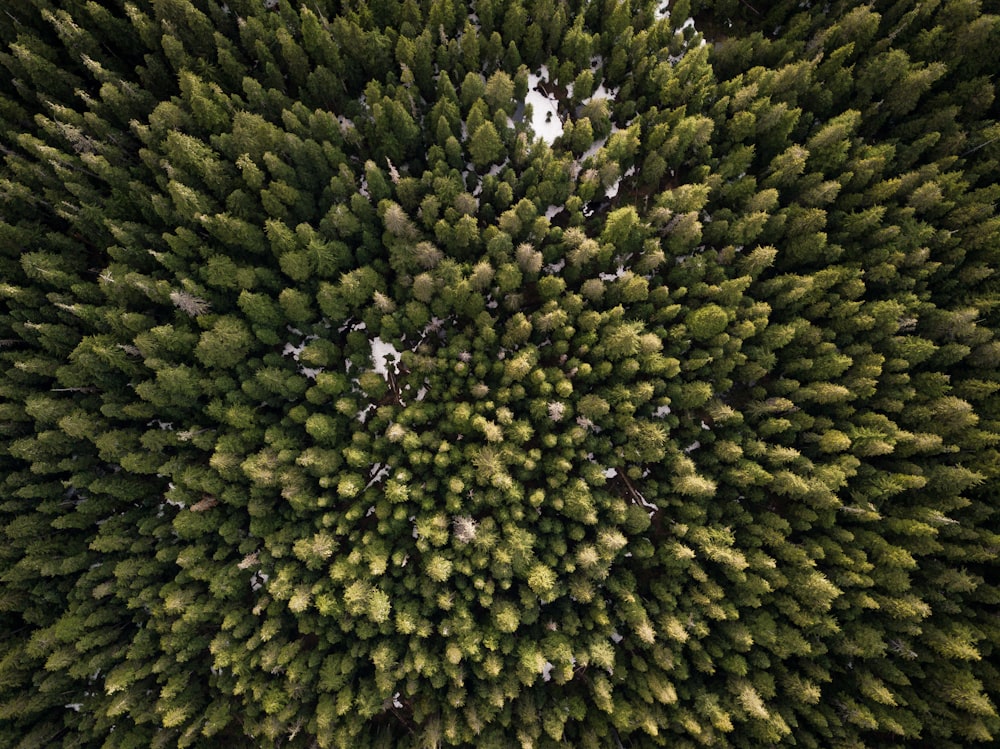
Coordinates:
<point>545,122</point>
<point>379,472</point>
<point>612,191</point>
<point>380,352</point>
<point>603,92</point>
<point>591,152</point>
<point>257,580</point>
<point>293,351</point>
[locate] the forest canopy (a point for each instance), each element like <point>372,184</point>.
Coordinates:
<point>510,373</point>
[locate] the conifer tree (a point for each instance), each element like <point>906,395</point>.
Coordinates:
<point>341,407</point>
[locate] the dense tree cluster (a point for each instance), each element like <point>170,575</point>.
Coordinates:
<point>341,408</point>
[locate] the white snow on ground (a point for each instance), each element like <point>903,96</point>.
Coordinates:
<point>613,190</point>
<point>602,92</point>
<point>641,499</point>
<point>545,122</point>
<point>662,411</point>
<point>493,170</point>
<point>663,11</point>
<point>556,267</point>
<point>379,472</point>
<point>610,473</point>
<point>381,350</point>
<point>258,580</point>
<point>295,351</point>
<point>345,326</point>
<point>547,671</point>
<point>591,152</point>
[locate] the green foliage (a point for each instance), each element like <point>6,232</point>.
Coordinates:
<point>707,322</point>
<point>339,407</point>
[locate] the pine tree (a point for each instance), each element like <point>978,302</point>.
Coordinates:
<point>485,146</point>
<point>677,430</point>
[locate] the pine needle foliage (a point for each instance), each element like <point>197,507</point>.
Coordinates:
<point>530,373</point>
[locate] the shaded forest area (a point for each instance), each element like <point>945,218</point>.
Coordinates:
<point>525,373</point>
